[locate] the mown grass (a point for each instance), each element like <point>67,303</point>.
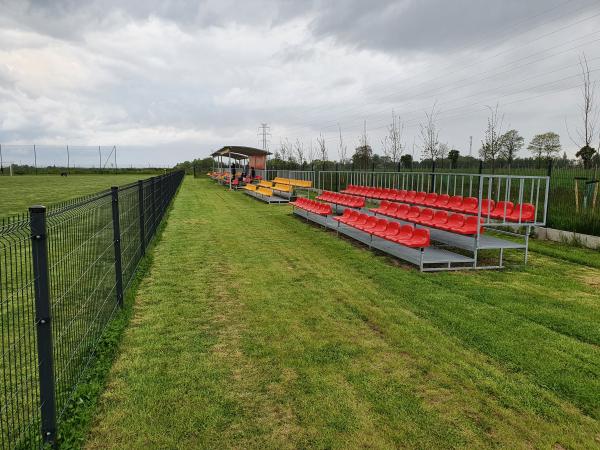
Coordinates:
<point>254,329</point>
<point>18,193</point>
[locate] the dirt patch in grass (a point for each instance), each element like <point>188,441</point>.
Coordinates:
<point>591,277</point>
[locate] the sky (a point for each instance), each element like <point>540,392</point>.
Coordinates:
<point>166,81</point>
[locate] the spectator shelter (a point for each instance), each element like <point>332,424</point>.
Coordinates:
<point>241,156</point>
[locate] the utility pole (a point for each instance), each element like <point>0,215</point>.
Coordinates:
<point>1,166</point>
<point>265,135</point>
<point>34,159</point>
<point>100,159</point>
<point>115,150</point>
<point>470,145</point>
<point>68,159</point>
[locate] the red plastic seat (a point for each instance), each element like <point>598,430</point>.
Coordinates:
<point>391,209</point>
<point>378,193</point>
<point>400,195</point>
<point>410,196</point>
<point>430,199</point>
<point>379,227</point>
<point>362,219</point>
<point>419,198</point>
<point>354,216</point>
<point>381,208</point>
<point>502,210</point>
<point>525,212</point>
<point>442,201</point>
<point>404,234</point>
<point>425,216</point>
<point>455,202</point>
<point>419,239</point>
<point>440,218</point>
<point>469,226</point>
<point>345,216</point>
<point>487,205</point>
<point>369,224</point>
<point>391,230</point>
<point>313,206</point>
<point>402,211</point>
<point>470,205</point>
<point>455,221</point>
<point>413,213</point>
<point>391,194</point>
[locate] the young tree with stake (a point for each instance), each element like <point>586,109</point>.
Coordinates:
<point>392,142</point>
<point>492,143</point>
<point>590,115</point>
<point>429,134</point>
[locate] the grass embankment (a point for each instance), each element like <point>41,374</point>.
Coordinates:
<point>18,193</point>
<point>255,329</point>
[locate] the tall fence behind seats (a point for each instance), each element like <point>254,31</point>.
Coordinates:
<point>64,271</point>
<point>305,175</point>
<point>517,189</point>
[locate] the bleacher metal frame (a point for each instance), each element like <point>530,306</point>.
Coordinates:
<point>516,188</point>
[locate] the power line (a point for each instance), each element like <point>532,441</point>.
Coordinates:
<point>444,72</point>
<point>453,87</point>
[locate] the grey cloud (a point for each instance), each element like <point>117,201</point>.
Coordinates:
<point>435,25</point>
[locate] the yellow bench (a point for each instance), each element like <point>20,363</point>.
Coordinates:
<point>251,187</point>
<point>266,184</point>
<point>279,180</point>
<point>282,187</point>
<point>301,183</point>
<point>265,191</point>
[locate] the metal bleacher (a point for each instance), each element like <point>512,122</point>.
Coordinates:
<point>486,247</point>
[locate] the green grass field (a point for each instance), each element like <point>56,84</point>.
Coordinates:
<point>20,192</point>
<point>254,329</point>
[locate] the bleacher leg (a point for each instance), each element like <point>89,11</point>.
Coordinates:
<point>527,231</point>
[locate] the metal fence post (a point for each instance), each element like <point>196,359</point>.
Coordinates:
<point>141,214</point>
<point>117,244</point>
<point>43,316</point>
<point>153,192</point>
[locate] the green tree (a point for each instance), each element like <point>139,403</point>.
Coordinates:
<point>586,153</point>
<point>406,161</point>
<point>362,157</point>
<point>453,157</point>
<point>511,143</point>
<point>545,144</point>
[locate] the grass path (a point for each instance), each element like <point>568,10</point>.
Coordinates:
<point>254,329</point>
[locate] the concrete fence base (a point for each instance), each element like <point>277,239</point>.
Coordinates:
<point>585,240</point>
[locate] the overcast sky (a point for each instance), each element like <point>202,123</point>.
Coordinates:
<point>166,81</point>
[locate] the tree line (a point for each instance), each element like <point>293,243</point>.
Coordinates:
<point>499,147</point>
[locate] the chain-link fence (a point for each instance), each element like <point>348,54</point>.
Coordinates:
<point>63,273</point>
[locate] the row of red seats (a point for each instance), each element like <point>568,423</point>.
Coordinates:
<point>467,205</point>
<point>342,199</point>
<point>312,206</point>
<point>454,222</point>
<point>392,231</point>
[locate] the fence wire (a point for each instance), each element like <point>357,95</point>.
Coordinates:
<point>82,274</point>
